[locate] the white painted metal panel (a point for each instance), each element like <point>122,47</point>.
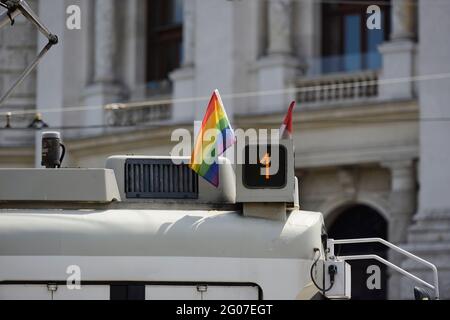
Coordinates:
<point>88,292</point>
<point>292,275</point>
<point>25,292</point>
<point>192,292</point>
<point>41,292</point>
<point>231,293</point>
<point>84,185</point>
<point>171,292</point>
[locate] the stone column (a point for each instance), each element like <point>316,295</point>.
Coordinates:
<point>402,203</point>
<point>183,78</point>
<point>105,41</point>
<point>188,32</point>
<point>400,52</point>
<point>280,22</point>
<point>50,71</point>
<point>402,198</point>
<point>278,69</point>
<point>403,19</point>
<point>104,89</point>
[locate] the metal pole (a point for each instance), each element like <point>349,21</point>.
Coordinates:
<point>26,72</point>
<point>5,19</point>
<point>30,15</point>
<point>21,7</point>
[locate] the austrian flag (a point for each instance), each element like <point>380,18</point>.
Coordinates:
<point>286,127</point>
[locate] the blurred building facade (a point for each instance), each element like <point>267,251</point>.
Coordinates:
<point>371,146</point>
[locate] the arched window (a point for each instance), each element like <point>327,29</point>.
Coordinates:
<point>347,43</point>
<point>360,221</point>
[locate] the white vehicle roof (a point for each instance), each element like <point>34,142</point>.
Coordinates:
<point>157,233</point>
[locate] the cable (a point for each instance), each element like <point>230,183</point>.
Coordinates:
<point>7,126</point>
<point>386,3</point>
<point>332,273</point>
<point>239,95</point>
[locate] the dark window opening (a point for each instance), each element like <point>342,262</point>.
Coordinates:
<point>347,43</point>
<point>362,222</point>
<point>127,292</point>
<point>164,42</point>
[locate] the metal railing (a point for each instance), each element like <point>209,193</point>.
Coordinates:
<point>118,115</point>
<point>434,286</point>
<point>339,87</point>
<point>145,112</point>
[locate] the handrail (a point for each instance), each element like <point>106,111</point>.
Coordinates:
<point>435,287</point>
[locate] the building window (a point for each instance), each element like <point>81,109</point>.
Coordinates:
<point>347,44</point>
<point>164,42</point>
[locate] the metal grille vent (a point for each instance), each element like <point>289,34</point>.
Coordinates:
<point>159,179</point>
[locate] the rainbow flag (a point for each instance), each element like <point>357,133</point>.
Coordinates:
<point>215,136</point>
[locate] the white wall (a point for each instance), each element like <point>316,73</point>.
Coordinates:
<point>434,99</point>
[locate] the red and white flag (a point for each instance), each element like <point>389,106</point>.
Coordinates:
<point>286,127</point>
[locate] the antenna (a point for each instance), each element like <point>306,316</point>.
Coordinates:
<point>13,9</point>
